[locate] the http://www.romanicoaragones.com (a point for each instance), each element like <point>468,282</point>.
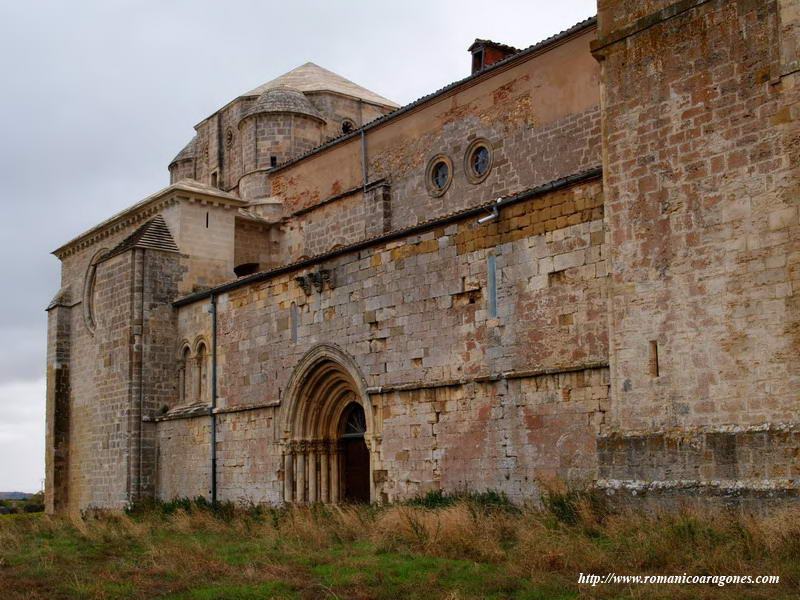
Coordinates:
<point>682,579</point>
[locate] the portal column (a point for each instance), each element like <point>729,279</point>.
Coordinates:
<point>300,472</point>
<point>288,474</point>
<point>335,477</point>
<point>195,381</point>
<point>312,472</point>
<point>324,472</point>
<point>182,383</point>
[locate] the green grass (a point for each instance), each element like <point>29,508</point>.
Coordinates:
<point>274,590</point>
<point>438,547</point>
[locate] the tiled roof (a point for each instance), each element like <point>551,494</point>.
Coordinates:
<point>313,78</point>
<point>154,235</point>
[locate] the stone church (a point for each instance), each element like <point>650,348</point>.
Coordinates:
<point>579,262</point>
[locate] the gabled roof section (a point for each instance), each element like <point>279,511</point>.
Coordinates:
<point>313,78</point>
<point>154,235</point>
<point>146,208</point>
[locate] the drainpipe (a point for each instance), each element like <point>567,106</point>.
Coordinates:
<point>213,310</point>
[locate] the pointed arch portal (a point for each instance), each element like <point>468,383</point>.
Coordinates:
<point>328,425</point>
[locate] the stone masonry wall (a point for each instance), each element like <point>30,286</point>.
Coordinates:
<point>539,126</point>
<point>350,219</point>
<point>103,333</point>
<point>255,243</point>
<point>232,147</point>
<point>101,392</point>
<point>183,460</point>
<point>184,169</point>
<point>506,435</point>
<point>336,108</point>
<point>701,179</point>
<point>526,153</point>
<point>249,456</point>
<point>416,311</point>
<point>162,272</point>
<point>94,378</point>
<point>284,136</point>
<point>521,158</point>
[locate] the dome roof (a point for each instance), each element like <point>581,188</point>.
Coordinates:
<point>283,99</point>
<point>189,151</point>
<point>313,78</point>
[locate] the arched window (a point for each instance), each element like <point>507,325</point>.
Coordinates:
<point>354,422</point>
<point>202,373</point>
<point>184,377</point>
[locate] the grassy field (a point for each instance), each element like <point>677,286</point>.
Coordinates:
<point>439,548</point>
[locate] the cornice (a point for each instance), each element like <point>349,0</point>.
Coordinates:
<point>146,209</point>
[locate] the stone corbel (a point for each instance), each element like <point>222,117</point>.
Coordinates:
<point>317,280</point>
<point>305,284</point>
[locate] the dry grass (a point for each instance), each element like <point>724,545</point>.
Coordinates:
<point>461,550</point>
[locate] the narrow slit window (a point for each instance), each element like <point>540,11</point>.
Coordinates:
<point>491,285</point>
<point>294,317</point>
<point>653,358</point>
<point>273,161</point>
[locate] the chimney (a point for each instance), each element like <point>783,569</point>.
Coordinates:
<point>487,52</point>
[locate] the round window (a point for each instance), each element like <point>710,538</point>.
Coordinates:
<point>478,160</point>
<point>439,175</point>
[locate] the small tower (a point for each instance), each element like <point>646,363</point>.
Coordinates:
<point>183,165</point>
<point>281,124</point>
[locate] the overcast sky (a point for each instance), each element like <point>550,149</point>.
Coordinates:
<point>99,95</point>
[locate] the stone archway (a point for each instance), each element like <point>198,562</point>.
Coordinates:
<point>323,392</point>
